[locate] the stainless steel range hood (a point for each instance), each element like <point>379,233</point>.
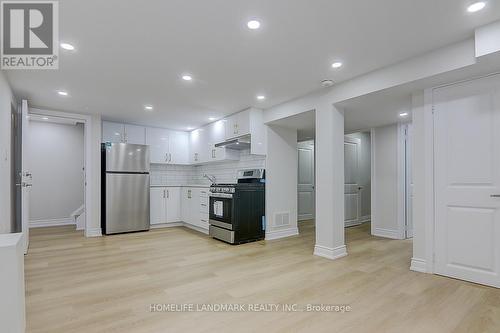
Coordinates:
<point>236,144</point>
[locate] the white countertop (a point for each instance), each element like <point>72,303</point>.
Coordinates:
<point>183,185</point>
<point>7,240</point>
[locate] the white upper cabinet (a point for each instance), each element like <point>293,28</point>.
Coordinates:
<point>199,147</point>
<point>179,147</point>
<point>113,132</point>
<point>135,134</point>
<point>248,122</point>
<point>216,134</point>
<point>238,125</point>
<point>168,147</point>
<point>157,140</point>
<point>123,133</point>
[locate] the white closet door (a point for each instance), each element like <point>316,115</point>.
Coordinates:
<point>467,180</point>
<point>305,190</point>
<point>352,188</point>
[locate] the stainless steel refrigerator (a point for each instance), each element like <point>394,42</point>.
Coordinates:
<point>124,187</point>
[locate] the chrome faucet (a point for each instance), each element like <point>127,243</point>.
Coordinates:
<point>211,178</point>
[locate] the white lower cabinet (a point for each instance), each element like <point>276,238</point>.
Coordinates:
<point>194,206</point>
<point>173,204</point>
<point>165,206</point>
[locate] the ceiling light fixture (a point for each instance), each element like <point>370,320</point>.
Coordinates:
<point>327,83</point>
<point>67,46</point>
<point>148,107</point>
<point>190,128</point>
<point>187,77</point>
<point>337,64</point>
<point>62,93</point>
<point>253,25</point>
<point>477,6</point>
<point>403,114</point>
<point>45,118</point>
<point>212,118</point>
<point>261,97</point>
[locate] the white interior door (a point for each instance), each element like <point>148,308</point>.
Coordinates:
<point>467,181</point>
<point>352,188</point>
<point>305,190</point>
<point>26,178</point>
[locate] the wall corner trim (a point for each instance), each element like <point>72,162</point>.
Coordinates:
<point>277,234</point>
<point>330,253</point>
<point>93,232</point>
<point>418,265</point>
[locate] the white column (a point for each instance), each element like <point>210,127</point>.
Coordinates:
<point>329,146</point>
<point>93,196</point>
<point>281,182</point>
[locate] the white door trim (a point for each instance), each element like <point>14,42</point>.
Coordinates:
<point>89,186</point>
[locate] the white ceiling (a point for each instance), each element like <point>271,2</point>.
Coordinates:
<point>132,53</point>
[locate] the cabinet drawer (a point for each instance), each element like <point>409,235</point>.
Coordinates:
<point>204,208</point>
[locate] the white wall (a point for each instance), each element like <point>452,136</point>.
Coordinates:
<point>6,99</point>
<point>364,170</point>
<point>386,212</point>
<point>56,159</point>
<point>281,185</point>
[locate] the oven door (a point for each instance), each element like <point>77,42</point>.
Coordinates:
<point>221,210</point>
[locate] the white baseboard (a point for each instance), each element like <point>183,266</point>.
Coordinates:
<point>93,232</point>
<point>51,222</point>
<point>351,224</point>
<point>190,226</point>
<point>167,225</point>
<point>330,253</point>
<point>387,233</point>
<point>418,265</point>
<point>277,234</point>
<point>364,219</point>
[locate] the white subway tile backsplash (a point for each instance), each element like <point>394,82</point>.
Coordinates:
<point>224,172</point>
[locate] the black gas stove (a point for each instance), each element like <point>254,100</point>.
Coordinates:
<point>237,211</point>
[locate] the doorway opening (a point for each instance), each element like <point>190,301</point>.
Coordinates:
<point>56,159</point>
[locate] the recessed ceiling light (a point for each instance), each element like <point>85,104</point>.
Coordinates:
<point>187,77</point>
<point>67,46</point>
<point>475,7</point>
<point>403,114</point>
<point>62,93</point>
<point>337,64</point>
<point>327,83</point>
<point>190,128</point>
<point>212,118</point>
<point>148,107</point>
<point>253,25</point>
<point>45,118</point>
<point>261,97</point>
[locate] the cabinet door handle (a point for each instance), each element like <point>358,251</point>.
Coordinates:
<point>163,194</point>
<point>168,194</point>
<point>495,195</point>
<point>170,157</point>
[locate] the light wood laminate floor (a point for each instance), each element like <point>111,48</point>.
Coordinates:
<point>107,284</point>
